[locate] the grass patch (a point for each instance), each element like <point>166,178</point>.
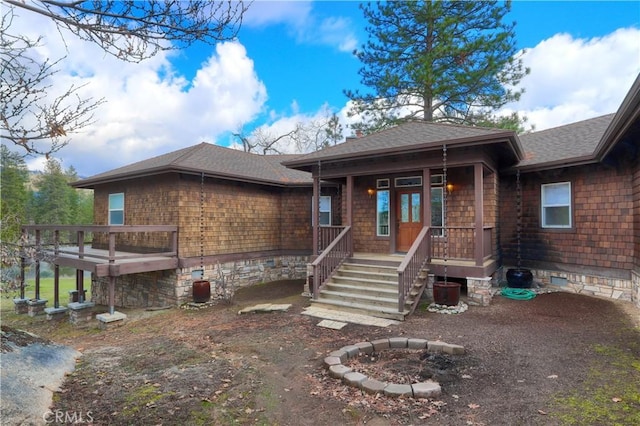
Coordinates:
<point>46,292</point>
<point>142,398</point>
<point>610,395</point>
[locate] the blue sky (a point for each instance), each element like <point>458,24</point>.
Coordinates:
<point>291,62</point>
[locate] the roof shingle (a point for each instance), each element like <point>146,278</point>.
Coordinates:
<point>213,160</point>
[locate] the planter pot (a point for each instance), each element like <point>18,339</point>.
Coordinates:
<point>519,278</point>
<point>201,291</point>
<point>446,293</point>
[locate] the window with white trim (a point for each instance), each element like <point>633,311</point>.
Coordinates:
<point>556,205</point>
<point>116,208</point>
<point>382,213</point>
<point>325,210</point>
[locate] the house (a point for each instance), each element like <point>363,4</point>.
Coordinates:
<point>398,209</point>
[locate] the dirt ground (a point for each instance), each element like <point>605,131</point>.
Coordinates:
<point>557,359</point>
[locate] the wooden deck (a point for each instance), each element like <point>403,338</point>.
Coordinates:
<point>107,262</point>
<point>101,263</point>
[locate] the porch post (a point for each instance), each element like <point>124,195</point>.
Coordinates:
<point>479,203</point>
<point>349,200</point>
<point>349,217</point>
<point>426,197</point>
<point>315,214</point>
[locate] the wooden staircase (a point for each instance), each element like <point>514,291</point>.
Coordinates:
<point>368,286</point>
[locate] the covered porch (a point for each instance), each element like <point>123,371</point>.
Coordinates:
<point>405,192</point>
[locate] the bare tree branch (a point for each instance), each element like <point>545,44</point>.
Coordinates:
<point>137,30</point>
<point>29,116</point>
<point>132,31</point>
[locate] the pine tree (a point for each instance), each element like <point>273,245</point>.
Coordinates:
<point>450,61</point>
<point>14,178</point>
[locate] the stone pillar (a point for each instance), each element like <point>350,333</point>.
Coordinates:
<point>80,313</point>
<point>479,291</point>
<point>36,306</point>
<point>56,313</point>
<point>107,320</point>
<point>428,290</point>
<point>20,305</point>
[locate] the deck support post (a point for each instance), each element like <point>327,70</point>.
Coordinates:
<point>112,294</point>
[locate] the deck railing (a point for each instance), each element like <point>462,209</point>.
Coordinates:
<point>412,265</point>
<point>331,258</point>
<point>461,243</point>
<point>48,238</point>
<point>57,243</point>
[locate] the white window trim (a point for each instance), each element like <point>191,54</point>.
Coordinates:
<point>398,179</point>
<point>543,206</point>
<point>382,184</point>
<point>114,210</point>
<point>325,197</point>
<point>378,234</point>
<point>314,213</point>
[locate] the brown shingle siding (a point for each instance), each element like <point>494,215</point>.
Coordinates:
<point>600,237</point>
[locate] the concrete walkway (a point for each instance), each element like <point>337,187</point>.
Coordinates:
<point>347,317</point>
<point>30,375</point>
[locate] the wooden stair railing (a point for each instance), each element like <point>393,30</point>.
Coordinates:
<point>331,258</point>
<point>412,264</point>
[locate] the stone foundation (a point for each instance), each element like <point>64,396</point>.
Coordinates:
<point>56,314</point>
<point>479,291</point>
<point>174,287</point>
<point>108,321</point>
<point>80,313</point>
<point>591,285</point>
<point>20,305</point>
<point>36,307</point>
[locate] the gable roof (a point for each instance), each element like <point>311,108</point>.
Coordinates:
<point>415,135</point>
<point>213,161</point>
<point>571,144</point>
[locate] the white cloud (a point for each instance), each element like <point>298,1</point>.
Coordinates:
<point>304,23</point>
<point>150,108</point>
<point>573,79</point>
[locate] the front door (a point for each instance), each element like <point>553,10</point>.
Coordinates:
<point>409,217</point>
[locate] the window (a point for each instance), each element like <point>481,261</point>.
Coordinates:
<point>382,183</point>
<point>116,209</point>
<point>382,214</point>
<point>408,181</point>
<point>437,179</point>
<point>325,210</point>
<point>556,205</point>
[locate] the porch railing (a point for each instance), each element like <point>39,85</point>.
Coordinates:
<point>331,258</point>
<point>461,243</point>
<point>327,235</point>
<point>412,264</point>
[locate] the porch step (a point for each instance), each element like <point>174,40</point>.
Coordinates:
<point>366,286</point>
<point>362,308</point>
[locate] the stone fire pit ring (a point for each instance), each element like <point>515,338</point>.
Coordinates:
<point>428,389</point>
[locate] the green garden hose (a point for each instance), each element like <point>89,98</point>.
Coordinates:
<point>517,293</point>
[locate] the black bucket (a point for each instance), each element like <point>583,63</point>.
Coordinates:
<point>519,278</point>
<point>446,293</point>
